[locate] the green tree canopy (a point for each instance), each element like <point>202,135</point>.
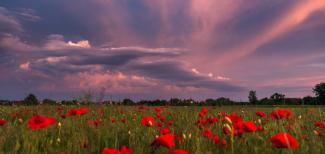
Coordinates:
<point>319,91</point>
<point>31,100</point>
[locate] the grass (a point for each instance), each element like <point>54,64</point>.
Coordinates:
<point>76,136</point>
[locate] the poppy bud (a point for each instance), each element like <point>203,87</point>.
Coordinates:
<point>150,123</point>
<point>184,136</point>
<point>228,120</point>
<point>227,126</point>
<point>259,121</point>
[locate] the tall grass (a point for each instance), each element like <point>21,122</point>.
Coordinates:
<point>75,135</point>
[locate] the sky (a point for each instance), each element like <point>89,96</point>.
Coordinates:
<point>145,49</point>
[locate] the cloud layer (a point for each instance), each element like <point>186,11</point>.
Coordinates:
<point>161,49</point>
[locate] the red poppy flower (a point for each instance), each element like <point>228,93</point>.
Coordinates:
<point>316,124</point>
<point>226,130</point>
<point>95,122</point>
<point>281,113</point>
<point>223,142</point>
<point>201,114</point>
<point>170,122</point>
<point>164,131</point>
<point>63,152</point>
<point>39,121</point>
<point>202,122</point>
<point>260,128</point>
<point>75,112</point>
<point>204,110</point>
<point>2,122</point>
<point>166,141</point>
<point>157,109</point>
<point>147,121</point>
<point>249,126</point>
<point>215,139</point>
<point>112,119</point>
<point>207,133</point>
<point>284,140</point>
<point>110,151</point>
<point>179,151</point>
<point>162,119</point>
<point>212,120</point>
<point>159,124</point>
<point>235,118</point>
<point>123,120</point>
<point>260,114</point>
<point>83,110</point>
<point>125,150</point>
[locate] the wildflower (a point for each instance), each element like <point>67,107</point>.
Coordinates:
<point>166,141</point>
<point>125,150</point>
<point>123,120</point>
<point>110,151</point>
<point>157,109</point>
<point>223,142</point>
<point>284,140</point>
<point>147,121</point>
<point>281,113</point>
<point>204,110</point>
<point>260,114</point>
<point>249,126</point>
<point>39,121</point>
<point>207,133</point>
<point>76,112</point>
<point>319,124</point>
<point>164,131</point>
<point>2,122</point>
<point>235,118</point>
<point>112,119</point>
<point>215,139</point>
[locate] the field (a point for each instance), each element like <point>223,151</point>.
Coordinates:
<point>197,130</point>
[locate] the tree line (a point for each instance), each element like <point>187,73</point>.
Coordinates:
<point>274,99</point>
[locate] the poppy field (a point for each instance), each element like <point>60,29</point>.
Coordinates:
<point>108,129</point>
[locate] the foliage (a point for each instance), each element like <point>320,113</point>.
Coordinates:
<point>319,91</point>
<point>31,100</point>
<point>252,98</point>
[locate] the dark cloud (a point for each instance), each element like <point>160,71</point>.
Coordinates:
<point>176,74</point>
<point>8,23</point>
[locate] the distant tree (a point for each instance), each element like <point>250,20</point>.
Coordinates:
<point>210,101</point>
<point>31,100</point>
<point>266,101</point>
<point>252,97</point>
<point>308,100</point>
<point>278,98</point>
<point>319,91</point>
<point>174,101</point>
<point>224,101</point>
<point>49,101</point>
<point>127,101</point>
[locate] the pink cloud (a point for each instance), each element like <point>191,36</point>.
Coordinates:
<point>293,17</point>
